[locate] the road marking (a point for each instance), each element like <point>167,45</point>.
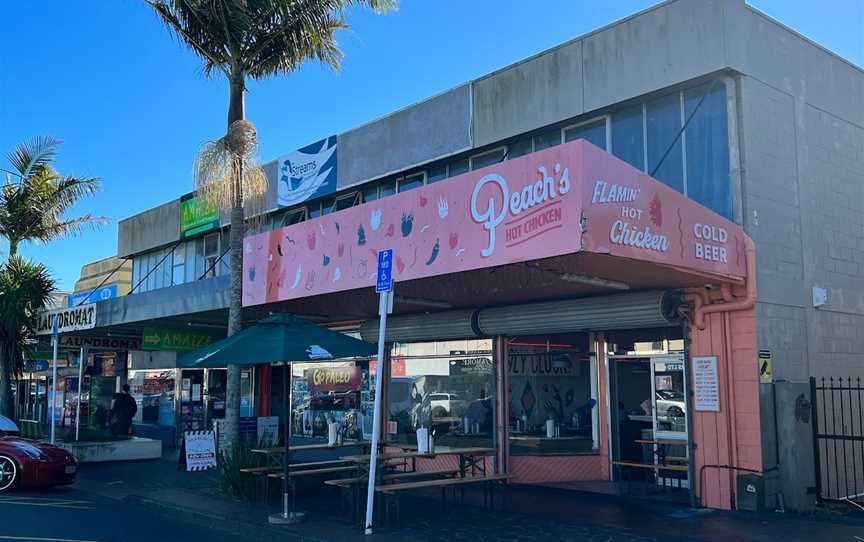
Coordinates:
<point>50,505</point>
<point>43,499</point>
<point>2,537</point>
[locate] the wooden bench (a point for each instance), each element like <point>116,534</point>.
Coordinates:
<point>311,472</point>
<point>394,490</point>
<point>351,494</point>
<point>681,468</point>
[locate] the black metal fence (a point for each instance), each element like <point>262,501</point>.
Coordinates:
<point>837,411</point>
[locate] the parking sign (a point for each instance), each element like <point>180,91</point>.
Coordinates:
<point>384,276</point>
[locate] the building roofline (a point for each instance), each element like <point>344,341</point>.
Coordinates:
<point>758,12</point>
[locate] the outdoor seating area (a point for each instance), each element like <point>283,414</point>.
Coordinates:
<point>400,469</point>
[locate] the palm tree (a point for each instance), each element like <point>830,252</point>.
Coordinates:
<point>25,287</point>
<point>243,39</point>
<point>34,198</point>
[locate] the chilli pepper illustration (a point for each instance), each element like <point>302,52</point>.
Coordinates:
<point>326,260</point>
<point>310,240</point>
<point>407,224</point>
<point>434,255</point>
<point>279,249</point>
<point>391,229</point>
<point>361,235</point>
<point>454,240</point>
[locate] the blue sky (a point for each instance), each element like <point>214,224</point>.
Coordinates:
<point>133,106</point>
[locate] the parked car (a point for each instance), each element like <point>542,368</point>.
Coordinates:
<point>8,427</point>
<point>445,404</point>
<point>670,405</point>
<point>29,464</point>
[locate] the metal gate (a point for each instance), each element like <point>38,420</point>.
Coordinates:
<point>838,438</point>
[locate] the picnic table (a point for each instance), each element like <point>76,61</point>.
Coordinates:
<point>277,453</point>
<point>471,459</point>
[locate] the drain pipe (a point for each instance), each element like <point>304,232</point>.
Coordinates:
<point>738,304</point>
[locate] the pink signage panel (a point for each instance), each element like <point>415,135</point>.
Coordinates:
<point>631,215</point>
<point>523,209</point>
<point>519,210</point>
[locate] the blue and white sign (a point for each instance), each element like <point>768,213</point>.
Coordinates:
<point>100,294</point>
<point>384,280</point>
<point>307,173</point>
<point>36,365</point>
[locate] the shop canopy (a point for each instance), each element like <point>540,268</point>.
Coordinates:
<point>278,338</point>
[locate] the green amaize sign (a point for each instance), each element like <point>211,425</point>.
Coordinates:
<point>196,216</point>
<point>178,340</point>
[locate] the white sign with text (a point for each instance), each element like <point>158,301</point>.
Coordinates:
<point>706,386</point>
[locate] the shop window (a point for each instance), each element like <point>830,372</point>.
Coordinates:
<point>347,201</point>
<point>520,147</point>
<point>323,393</point>
<point>294,216</point>
<point>436,173</point>
<point>662,126</point>
<point>411,182</point>
<point>458,167</point>
<point>547,139</point>
<point>189,248</point>
<point>488,158</point>
<point>315,209</point>
<point>708,180</point>
<point>445,386</point>
<point>628,136</point>
<point>553,409</point>
<point>136,270</point>
<point>370,192</point>
<point>178,267</point>
<point>593,132</point>
<point>153,258</point>
<point>224,266</point>
<point>387,188</point>
<point>327,205</point>
<point>154,393</point>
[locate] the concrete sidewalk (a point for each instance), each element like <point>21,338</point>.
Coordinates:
<point>532,514</point>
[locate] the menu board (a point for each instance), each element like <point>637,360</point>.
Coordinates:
<point>706,386</point>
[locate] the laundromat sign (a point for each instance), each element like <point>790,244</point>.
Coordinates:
<point>562,200</point>
<point>71,319</point>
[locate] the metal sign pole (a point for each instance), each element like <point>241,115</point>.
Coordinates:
<point>55,338</point>
<point>384,285</point>
<point>81,362</point>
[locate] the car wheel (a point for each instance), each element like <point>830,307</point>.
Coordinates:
<point>8,473</point>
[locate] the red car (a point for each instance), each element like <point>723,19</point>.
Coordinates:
<point>29,464</point>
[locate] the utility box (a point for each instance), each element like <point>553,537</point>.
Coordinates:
<point>751,492</point>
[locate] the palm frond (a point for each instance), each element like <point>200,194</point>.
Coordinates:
<point>25,289</point>
<point>71,227</point>
<point>33,154</point>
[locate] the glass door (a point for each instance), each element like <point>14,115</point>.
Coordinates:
<point>669,408</point>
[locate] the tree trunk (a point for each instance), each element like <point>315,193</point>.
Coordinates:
<point>6,403</point>
<point>236,111</point>
<point>13,247</point>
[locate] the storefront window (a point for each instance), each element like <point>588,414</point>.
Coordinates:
<point>663,126</point>
<point>708,179</point>
<point>323,393</point>
<point>593,132</point>
<point>628,137</point>
<point>553,408</point>
<point>445,386</point>
<point>154,393</point>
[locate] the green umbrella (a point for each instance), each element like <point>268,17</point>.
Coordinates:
<point>279,338</point>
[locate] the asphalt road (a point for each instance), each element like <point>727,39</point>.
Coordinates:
<point>71,515</point>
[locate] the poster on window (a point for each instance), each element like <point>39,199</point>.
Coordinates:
<point>706,386</point>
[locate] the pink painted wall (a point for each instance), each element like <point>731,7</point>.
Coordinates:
<point>523,209</point>
<point>731,436</point>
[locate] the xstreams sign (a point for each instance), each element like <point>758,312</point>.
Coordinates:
<point>72,319</point>
<point>307,173</point>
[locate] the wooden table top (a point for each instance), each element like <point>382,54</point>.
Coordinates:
<point>408,454</point>
<point>299,448</point>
